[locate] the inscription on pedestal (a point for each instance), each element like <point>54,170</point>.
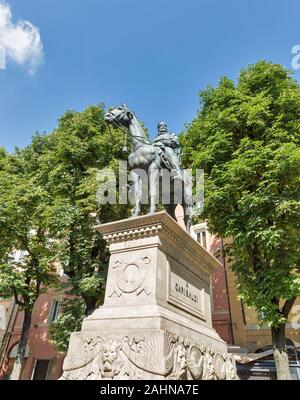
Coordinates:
<point>185,295</point>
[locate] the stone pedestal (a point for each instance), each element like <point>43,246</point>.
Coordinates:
<point>156,319</point>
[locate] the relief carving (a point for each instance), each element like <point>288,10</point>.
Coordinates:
<point>195,361</point>
<point>130,277</point>
<point>110,363</point>
<point>152,355</point>
<point>143,352</point>
<point>230,368</point>
<point>180,363</point>
<point>208,369</point>
<point>220,366</point>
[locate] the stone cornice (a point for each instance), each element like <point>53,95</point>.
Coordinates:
<point>162,225</point>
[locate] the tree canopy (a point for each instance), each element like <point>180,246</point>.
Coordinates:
<point>246,137</point>
<point>23,203</point>
<point>23,227</point>
<point>49,188</point>
<point>81,146</point>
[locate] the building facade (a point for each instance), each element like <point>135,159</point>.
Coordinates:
<point>42,361</point>
<point>221,312</point>
<point>245,319</point>
<point>237,324</point>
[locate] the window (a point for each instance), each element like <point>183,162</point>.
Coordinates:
<point>201,234</point>
<point>54,311</point>
<point>41,370</point>
<point>201,237</point>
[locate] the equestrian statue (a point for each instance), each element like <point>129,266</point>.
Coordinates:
<point>160,159</point>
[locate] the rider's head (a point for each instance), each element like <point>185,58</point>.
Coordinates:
<point>162,127</point>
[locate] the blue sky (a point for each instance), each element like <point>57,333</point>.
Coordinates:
<point>153,55</point>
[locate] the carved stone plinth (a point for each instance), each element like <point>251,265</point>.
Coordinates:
<point>156,319</point>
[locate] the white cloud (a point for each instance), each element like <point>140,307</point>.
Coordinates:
<point>21,41</point>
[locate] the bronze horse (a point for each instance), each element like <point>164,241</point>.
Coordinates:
<point>146,156</point>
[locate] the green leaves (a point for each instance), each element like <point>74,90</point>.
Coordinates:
<point>47,208</point>
<point>247,138</point>
<point>23,204</point>
<point>69,320</point>
<point>91,285</point>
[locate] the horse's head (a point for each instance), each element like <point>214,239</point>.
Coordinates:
<point>119,116</point>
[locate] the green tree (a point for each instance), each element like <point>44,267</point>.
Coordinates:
<point>70,320</point>
<point>81,146</point>
<point>48,208</point>
<point>246,137</point>
<point>23,203</point>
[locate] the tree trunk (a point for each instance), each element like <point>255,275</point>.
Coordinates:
<point>280,353</point>
<point>17,370</point>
